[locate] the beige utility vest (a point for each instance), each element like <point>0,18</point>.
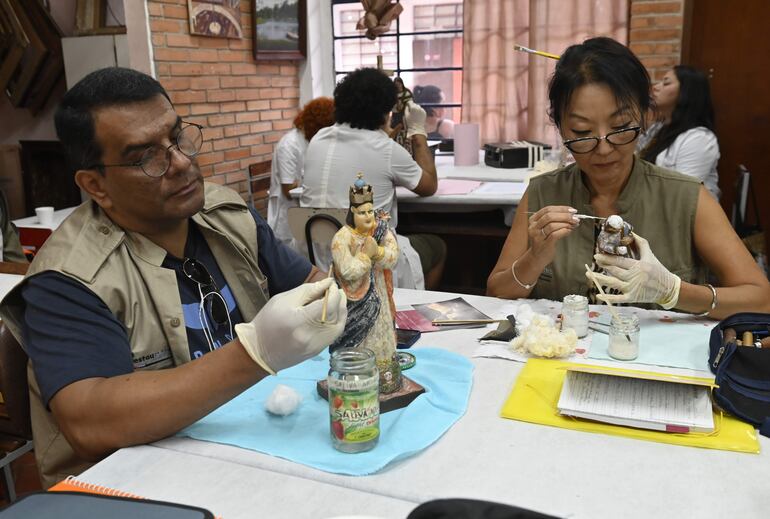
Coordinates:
<point>124,270</point>
<point>659,203</point>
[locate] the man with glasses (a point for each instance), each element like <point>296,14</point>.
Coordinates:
<point>157,270</point>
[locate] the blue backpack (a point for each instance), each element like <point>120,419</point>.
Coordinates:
<point>742,372</point>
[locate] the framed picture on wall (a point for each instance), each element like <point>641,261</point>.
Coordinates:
<point>219,19</point>
<point>279,29</point>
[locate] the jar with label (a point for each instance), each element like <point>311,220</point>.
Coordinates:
<point>624,337</point>
<point>574,314</point>
<point>354,405</point>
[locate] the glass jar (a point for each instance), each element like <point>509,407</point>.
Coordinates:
<point>354,405</point>
<point>574,314</point>
<point>624,336</point>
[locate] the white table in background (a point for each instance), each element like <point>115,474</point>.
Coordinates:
<point>471,202</point>
<point>548,469</point>
<point>32,222</point>
<point>445,167</point>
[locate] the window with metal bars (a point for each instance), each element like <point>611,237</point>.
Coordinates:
<point>423,47</point>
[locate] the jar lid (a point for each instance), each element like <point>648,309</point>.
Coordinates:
<point>575,300</point>
<point>406,360</point>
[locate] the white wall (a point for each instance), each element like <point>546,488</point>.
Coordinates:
<point>316,73</point>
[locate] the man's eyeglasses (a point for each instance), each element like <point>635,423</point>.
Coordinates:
<point>156,160</point>
<point>617,138</point>
<point>212,306</point>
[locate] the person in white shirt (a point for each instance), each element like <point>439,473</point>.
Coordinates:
<point>288,163</point>
<point>683,139</point>
<point>358,143</point>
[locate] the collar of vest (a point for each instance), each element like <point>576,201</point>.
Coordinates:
<point>628,196</point>
<point>99,236</point>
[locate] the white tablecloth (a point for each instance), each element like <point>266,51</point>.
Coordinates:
<point>557,471</point>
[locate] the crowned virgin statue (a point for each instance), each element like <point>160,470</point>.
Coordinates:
<point>364,252</point>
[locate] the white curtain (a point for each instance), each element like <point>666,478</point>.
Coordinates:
<point>505,91</point>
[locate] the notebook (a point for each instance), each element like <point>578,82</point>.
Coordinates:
<point>618,398</point>
<point>76,505</point>
<point>81,499</point>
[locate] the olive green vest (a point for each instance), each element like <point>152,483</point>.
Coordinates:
<point>659,203</point>
<point>124,270</point>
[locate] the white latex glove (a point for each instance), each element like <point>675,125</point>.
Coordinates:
<point>645,280</point>
<point>289,330</point>
<point>414,119</point>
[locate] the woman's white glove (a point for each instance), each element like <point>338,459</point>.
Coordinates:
<point>645,280</point>
<point>289,330</point>
<point>414,119</point>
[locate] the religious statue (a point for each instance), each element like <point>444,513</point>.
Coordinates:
<point>398,127</point>
<point>378,15</point>
<point>364,251</point>
<point>615,237</point>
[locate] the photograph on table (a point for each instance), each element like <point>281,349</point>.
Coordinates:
<point>279,29</point>
<point>221,19</point>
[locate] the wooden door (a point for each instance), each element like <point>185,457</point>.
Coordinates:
<point>729,40</point>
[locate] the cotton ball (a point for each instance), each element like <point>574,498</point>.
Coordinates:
<point>524,316</point>
<point>543,339</point>
<point>283,400</point>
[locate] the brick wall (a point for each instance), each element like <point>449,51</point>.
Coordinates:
<point>655,33</point>
<point>245,106</point>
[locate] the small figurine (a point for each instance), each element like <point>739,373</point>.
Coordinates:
<point>364,253</point>
<point>615,237</point>
<point>398,127</point>
<point>378,15</point>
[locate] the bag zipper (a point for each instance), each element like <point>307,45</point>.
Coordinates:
<point>718,357</point>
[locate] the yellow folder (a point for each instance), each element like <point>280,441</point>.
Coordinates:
<point>535,396</point>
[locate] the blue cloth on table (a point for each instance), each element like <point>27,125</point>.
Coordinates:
<point>304,436</point>
<point>679,342</point>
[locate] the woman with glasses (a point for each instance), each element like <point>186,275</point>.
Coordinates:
<point>683,138</point>
<point>598,94</point>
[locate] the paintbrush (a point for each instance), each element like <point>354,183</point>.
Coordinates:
<point>326,296</point>
<point>609,306</point>
<point>581,216</point>
<point>522,48</point>
<point>448,322</point>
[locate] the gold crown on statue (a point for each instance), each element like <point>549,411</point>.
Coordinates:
<point>361,192</point>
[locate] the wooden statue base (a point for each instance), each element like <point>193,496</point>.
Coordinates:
<point>389,402</point>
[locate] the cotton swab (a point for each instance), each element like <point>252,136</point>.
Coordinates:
<point>601,291</point>
<point>522,48</point>
<point>326,296</point>
<point>580,216</point>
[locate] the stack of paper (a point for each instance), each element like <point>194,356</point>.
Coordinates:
<point>637,402</point>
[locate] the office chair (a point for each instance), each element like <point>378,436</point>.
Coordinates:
<point>316,227</point>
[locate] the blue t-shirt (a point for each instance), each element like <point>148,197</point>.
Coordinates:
<point>71,334</point>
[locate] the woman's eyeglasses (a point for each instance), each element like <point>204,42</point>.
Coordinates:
<point>617,138</point>
<point>212,306</point>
